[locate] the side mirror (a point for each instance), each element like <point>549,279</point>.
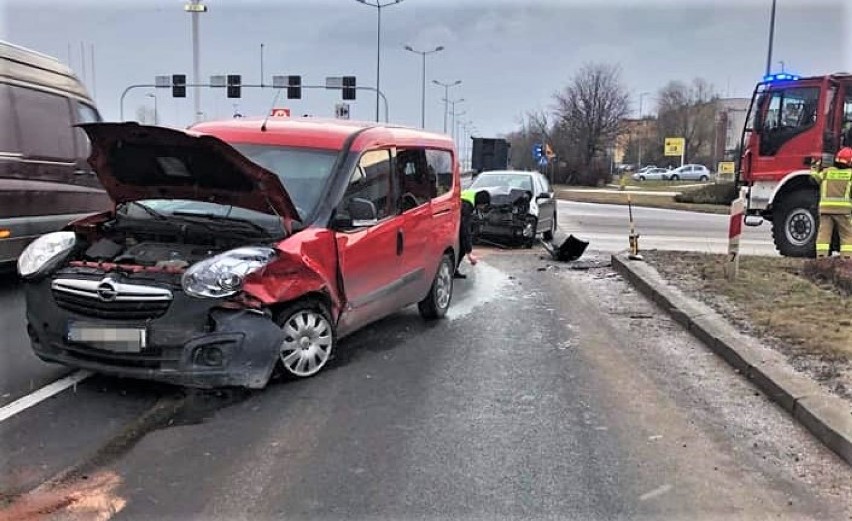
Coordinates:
<point>542,196</point>
<point>363,212</point>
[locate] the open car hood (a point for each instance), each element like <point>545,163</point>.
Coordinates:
<point>135,162</point>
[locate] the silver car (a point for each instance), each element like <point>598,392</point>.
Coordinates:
<point>690,173</point>
<point>651,174</point>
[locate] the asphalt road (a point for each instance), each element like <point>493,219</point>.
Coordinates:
<point>607,227</point>
<point>549,393</point>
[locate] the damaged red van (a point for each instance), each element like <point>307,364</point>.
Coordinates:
<point>243,246</point>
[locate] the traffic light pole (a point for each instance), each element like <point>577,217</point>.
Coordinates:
<point>379,93</point>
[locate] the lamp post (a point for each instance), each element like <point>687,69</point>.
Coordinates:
<point>378,5</point>
<point>771,39</point>
<point>195,8</point>
<point>641,126</point>
<point>154,96</point>
<point>423,55</point>
<point>446,97</point>
<point>452,104</point>
<point>456,125</point>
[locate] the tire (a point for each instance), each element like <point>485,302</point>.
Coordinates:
<point>310,338</point>
<point>530,228</point>
<point>675,177</point>
<point>437,302</point>
<point>704,179</point>
<point>641,178</point>
<point>548,235</point>
<point>794,224</point>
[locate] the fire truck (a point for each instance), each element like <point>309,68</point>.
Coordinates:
<point>792,123</point>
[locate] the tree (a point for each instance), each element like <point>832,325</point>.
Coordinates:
<point>688,111</point>
<point>588,114</point>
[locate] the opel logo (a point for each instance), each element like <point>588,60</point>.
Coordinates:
<point>107,292</point>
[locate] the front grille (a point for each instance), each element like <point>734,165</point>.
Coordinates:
<point>109,299</point>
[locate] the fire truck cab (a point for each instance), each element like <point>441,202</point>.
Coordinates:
<point>792,123</point>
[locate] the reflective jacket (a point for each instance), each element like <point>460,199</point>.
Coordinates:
<point>835,190</point>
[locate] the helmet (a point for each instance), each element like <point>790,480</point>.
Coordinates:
<point>844,157</point>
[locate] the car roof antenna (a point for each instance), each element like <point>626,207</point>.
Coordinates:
<point>269,112</point>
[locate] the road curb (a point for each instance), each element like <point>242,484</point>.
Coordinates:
<point>828,417</point>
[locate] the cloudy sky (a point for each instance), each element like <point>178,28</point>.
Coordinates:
<point>511,55</point>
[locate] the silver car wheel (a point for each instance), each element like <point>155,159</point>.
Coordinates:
<point>443,286</point>
<point>307,344</point>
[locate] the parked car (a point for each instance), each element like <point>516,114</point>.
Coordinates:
<point>690,173</point>
<point>45,181</point>
<point>521,206</point>
<point>651,174</point>
<point>239,247</point>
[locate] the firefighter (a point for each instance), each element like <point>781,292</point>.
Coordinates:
<point>470,201</point>
<point>835,204</point>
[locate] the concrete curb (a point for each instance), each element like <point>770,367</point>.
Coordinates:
<point>828,417</point>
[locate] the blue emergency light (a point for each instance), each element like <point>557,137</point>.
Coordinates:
<point>781,76</point>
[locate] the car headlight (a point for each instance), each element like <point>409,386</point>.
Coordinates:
<point>223,275</point>
<point>44,251</point>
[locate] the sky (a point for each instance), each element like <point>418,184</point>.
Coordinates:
<point>511,56</point>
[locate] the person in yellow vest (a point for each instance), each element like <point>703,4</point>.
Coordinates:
<point>835,204</point>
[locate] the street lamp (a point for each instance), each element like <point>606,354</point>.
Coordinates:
<point>378,5</point>
<point>641,125</point>
<point>446,97</point>
<point>195,8</point>
<point>771,39</point>
<point>456,126</point>
<point>453,112</point>
<point>423,88</point>
<point>154,96</point>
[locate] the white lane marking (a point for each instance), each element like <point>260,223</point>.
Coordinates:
<point>34,398</point>
<point>656,492</point>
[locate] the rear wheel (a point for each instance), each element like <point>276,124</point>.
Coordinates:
<point>704,179</point>
<point>641,177</point>
<point>794,224</point>
<point>309,338</point>
<point>675,177</point>
<point>437,302</point>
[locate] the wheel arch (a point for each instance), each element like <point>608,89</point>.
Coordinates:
<point>792,182</point>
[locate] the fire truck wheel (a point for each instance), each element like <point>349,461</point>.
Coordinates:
<point>794,224</point>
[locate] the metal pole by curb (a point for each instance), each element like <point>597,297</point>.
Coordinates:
<point>827,417</point>
<point>735,230</point>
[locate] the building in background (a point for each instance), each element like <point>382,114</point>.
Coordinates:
<point>634,131</point>
<point>730,120</point>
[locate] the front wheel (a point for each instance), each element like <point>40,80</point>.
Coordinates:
<point>704,179</point>
<point>675,177</point>
<point>309,338</point>
<point>437,302</point>
<point>794,224</point>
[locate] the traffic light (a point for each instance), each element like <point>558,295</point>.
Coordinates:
<point>294,87</point>
<point>349,87</point>
<point>178,85</point>
<point>234,83</point>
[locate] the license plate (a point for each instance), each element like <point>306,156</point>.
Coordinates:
<point>118,339</point>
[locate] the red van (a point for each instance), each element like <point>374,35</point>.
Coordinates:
<point>243,246</point>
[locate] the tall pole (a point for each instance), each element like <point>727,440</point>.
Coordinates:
<point>423,55</point>
<point>83,60</point>
<point>378,5</point>
<point>195,8</point>
<point>771,39</point>
<point>94,84</point>
<point>261,65</point>
<point>641,126</point>
<point>446,98</point>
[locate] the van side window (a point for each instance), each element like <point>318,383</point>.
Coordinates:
<point>440,165</point>
<point>413,176</point>
<point>8,137</point>
<point>371,180</point>
<point>44,122</point>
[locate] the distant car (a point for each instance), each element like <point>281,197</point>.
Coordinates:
<point>690,173</point>
<point>521,206</point>
<point>651,174</point>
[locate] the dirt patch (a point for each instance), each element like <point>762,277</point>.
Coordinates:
<point>779,301</point>
<point>649,201</point>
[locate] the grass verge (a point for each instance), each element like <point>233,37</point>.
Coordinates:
<point>649,201</point>
<point>806,315</point>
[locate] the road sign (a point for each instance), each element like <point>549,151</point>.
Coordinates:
<point>341,111</point>
<point>162,82</point>
<point>727,167</point>
<point>219,81</point>
<point>674,146</point>
<point>280,113</point>
<point>334,82</point>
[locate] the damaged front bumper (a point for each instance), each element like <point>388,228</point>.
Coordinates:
<point>194,342</point>
<point>505,225</point>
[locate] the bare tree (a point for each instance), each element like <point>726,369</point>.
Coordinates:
<point>688,111</point>
<point>589,113</point>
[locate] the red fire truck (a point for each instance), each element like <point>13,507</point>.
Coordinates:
<point>792,122</point>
